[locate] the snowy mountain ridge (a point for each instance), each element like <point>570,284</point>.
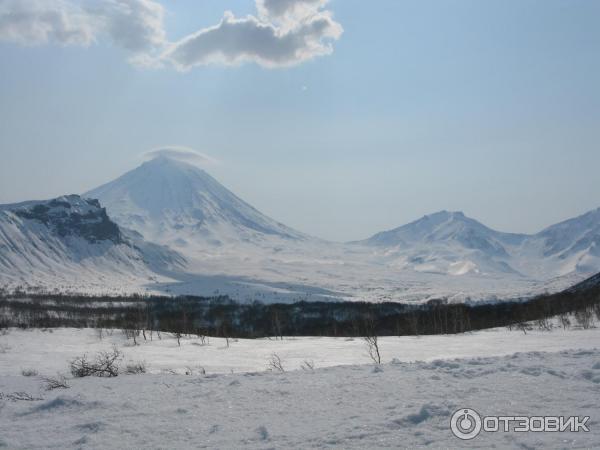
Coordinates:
<point>69,242</point>
<point>447,238</point>
<point>169,227</point>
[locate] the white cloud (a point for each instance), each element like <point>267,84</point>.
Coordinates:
<point>277,9</point>
<point>34,22</point>
<point>136,25</point>
<point>235,41</point>
<point>283,33</point>
<point>181,153</point>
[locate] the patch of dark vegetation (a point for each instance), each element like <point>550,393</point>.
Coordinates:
<point>144,317</point>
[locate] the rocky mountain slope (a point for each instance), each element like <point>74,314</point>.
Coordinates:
<point>71,242</point>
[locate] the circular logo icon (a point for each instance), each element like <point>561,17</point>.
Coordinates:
<point>465,424</point>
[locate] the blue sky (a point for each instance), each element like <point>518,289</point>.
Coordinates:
<point>492,108</point>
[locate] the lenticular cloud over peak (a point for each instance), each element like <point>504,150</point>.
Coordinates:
<point>183,154</point>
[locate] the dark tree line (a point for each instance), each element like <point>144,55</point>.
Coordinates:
<point>142,316</point>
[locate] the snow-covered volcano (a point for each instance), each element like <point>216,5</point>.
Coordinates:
<point>176,203</point>
<point>170,227</point>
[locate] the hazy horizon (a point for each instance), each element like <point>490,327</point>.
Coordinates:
<point>379,117</point>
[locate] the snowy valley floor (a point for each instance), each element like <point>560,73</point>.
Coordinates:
<point>405,403</point>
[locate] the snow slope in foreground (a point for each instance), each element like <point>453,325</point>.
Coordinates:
<point>401,405</point>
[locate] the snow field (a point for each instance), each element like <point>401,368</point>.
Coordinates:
<point>49,351</point>
<point>399,405</point>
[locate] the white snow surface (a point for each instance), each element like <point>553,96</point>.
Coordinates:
<point>191,235</point>
<point>406,402</point>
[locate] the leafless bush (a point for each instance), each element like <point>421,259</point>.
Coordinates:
<point>105,364</point>
<point>19,396</point>
<point>275,363</point>
<point>134,368</point>
<point>308,366</point>
<point>29,372</point>
<point>198,370</point>
<point>58,382</point>
<point>372,341</point>
<point>565,321</point>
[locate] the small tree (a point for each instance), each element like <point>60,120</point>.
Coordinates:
<point>584,318</point>
<point>544,324</point>
<point>177,335</point>
<point>371,340</point>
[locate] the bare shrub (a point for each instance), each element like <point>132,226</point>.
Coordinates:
<point>372,341</point>
<point>58,382</point>
<point>29,372</point>
<point>275,363</point>
<point>105,364</point>
<point>308,366</point>
<point>373,348</point>
<point>19,396</point>
<point>134,368</point>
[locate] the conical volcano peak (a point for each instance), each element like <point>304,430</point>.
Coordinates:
<point>172,201</point>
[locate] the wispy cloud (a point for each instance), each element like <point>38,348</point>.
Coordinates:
<point>282,33</point>
<point>181,153</point>
<point>35,22</point>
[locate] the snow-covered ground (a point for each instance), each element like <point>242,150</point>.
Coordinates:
<point>407,402</point>
<point>50,351</point>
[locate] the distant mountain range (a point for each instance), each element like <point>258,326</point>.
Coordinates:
<point>168,226</point>
<point>452,243</point>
